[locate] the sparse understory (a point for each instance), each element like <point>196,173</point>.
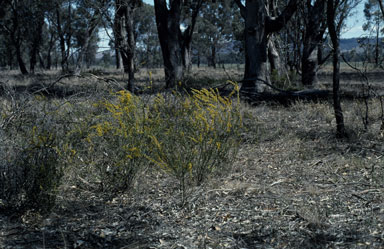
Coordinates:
<point>293,184</point>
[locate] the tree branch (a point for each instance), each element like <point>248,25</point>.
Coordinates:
<point>274,25</point>
<point>381,6</point>
<point>241,7</point>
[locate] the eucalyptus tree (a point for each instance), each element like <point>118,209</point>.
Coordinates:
<point>90,13</point>
<point>14,25</point>
<point>176,20</point>
<point>148,47</point>
<point>381,5</point>
<point>124,33</point>
<point>314,21</point>
<point>63,22</point>
<point>374,20</point>
<point>213,29</point>
<point>259,25</point>
<point>337,12</point>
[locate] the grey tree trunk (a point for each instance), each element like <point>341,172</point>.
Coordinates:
<point>313,36</point>
<point>124,37</point>
<point>258,27</point>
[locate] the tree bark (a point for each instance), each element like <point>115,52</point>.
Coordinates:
<point>36,41</point>
<point>331,15</point>
<point>62,39</point>
<point>125,38</point>
<point>258,27</point>
<point>16,40</point>
<point>212,57</point>
<point>381,6</point>
<point>168,26</point>
<point>315,27</point>
<point>175,44</point>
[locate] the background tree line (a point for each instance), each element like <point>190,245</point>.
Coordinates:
<point>273,38</point>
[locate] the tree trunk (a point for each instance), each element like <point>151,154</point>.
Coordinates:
<point>381,6</point>
<point>309,66</point>
<point>331,9</point>
<point>16,41</point>
<point>313,36</point>
<point>41,61</point>
<point>49,59</point>
<point>175,45</point>
<point>92,28</point>
<point>125,39</point>
<point>274,58</point>
<point>377,43</point>
<point>36,41</point>
<point>168,26</point>
<point>258,27</point>
<point>256,44</point>
<point>118,58</point>
<point>22,66</point>
<point>212,58</point>
<point>62,40</point>
<point>187,59</point>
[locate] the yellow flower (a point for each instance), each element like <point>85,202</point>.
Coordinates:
<point>218,145</point>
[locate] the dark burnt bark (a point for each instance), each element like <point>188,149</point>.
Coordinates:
<point>331,14</point>
<point>175,44</point>
<point>258,27</point>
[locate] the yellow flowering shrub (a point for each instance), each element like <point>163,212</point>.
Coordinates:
<point>115,141</point>
<point>188,136</point>
<point>199,134</point>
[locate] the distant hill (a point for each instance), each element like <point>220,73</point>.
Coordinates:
<point>349,44</point>
<point>352,43</point>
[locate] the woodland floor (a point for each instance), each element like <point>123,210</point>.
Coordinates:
<point>293,185</point>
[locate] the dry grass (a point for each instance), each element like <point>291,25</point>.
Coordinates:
<point>293,185</point>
